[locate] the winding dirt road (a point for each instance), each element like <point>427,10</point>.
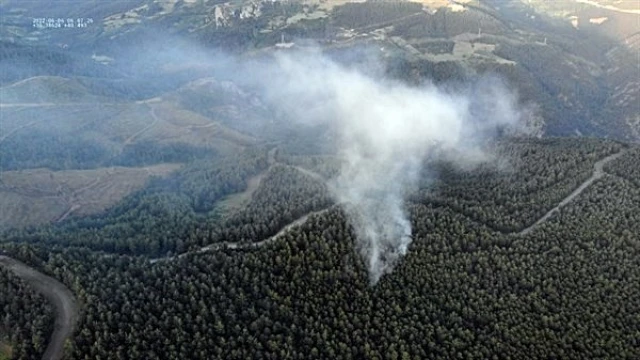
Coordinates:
<point>152,111</point>
<point>598,172</point>
<point>66,306</point>
<point>301,220</point>
<point>249,191</point>
<point>239,246</point>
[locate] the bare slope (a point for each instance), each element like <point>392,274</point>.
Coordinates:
<point>47,89</point>
<point>29,107</point>
<point>31,197</point>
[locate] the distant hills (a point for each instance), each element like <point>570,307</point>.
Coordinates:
<point>571,60</point>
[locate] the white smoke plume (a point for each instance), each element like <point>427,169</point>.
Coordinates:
<point>385,130</point>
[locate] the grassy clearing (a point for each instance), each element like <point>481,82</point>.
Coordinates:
<point>5,351</point>
<point>37,196</point>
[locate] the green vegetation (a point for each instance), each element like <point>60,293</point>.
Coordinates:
<point>44,60</point>
<point>34,149</point>
<point>469,288</point>
<point>27,319</point>
<point>5,351</point>
<point>286,194</point>
<point>178,271</point>
<point>326,166</point>
<point>446,24</point>
<point>540,175</point>
<point>355,15</point>
<point>627,166</point>
<point>160,218</point>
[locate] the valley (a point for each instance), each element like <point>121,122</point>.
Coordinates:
<point>334,179</point>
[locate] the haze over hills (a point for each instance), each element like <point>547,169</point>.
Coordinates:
<point>581,78</point>
<point>319,179</point>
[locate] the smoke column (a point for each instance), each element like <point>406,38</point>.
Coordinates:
<point>385,130</point>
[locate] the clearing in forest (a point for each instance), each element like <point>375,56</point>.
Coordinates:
<point>37,196</point>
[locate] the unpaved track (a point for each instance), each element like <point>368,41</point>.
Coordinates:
<point>70,210</point>
<point>66,306</point>
<point>301,220</point>
<point>72,198</point>
<point>234,202</point>
<point>598,172</point>
<point>3,138</point>
<point>249,192</point>
<point>239,246</point>
<point>152,111</point>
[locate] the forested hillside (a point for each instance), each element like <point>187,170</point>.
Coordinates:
<point>470,287</point>
<point>627,167</point>
<point>540,176</point>
<point>27,319</point>
<point>318,179</point>
<point>160,218</point>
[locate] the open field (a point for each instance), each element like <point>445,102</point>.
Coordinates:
<point>5,351</point>
<point>28,107</point>
<point>35,196</point>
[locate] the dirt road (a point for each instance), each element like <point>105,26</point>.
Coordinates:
<point>66,306</point>
<point>152,111</point>
<point>598,172</point>
<point>235,246</point>
<point>253,185</point>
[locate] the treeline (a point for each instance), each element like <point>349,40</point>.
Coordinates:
<point>568,290</point>
<point>26,318</point>
<point>326,166</point>
<point>421,70</point>
<point>445,23</point>
<point>355,15</point>
<point>35,149</point>
<point>536,176</point>
<point>22,61</point>
<point>285,194</point>
<point>161,218</point>
<point>627,166</point>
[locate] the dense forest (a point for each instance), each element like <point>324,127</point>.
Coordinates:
<point>161,218</point>
<point>470,287</point>
<point>27,319</point>
<point>627,166</point>
<point>540,176</point>
<point>243,252</point>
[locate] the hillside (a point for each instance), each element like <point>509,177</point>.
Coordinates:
<point>616,19</point>
<point>34,197</point>
<point>563,70</point>
<point>319,179</point>
<point>492,289</point>
<point>47,89</point>
<point>79,132</point>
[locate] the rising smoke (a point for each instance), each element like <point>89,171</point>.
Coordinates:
<point>385,130</point>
